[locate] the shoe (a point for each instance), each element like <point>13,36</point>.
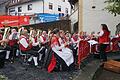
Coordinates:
<point>101,64</point>
<point>39,67</point>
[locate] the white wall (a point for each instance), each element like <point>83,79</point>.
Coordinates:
<point>76,6</point>
<point>37,7</point>
<point>74,18</point>
<point>92,18</point>
<point>63,5</point>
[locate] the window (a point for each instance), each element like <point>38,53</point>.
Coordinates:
<point>12,10</point>
<point>13,1</point>
<point>29,7</point>
<point>19,9</point>
<point>66,10</point>
<point>51,6</point>
<point>59,8</point>
<point>18,0</point>
<point>63,0</point>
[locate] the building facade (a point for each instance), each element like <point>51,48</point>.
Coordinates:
<point>94,15</point>
<point>74,15</point>
<point>30,7</point>
<point>3,8</point>
<point>35,8</point>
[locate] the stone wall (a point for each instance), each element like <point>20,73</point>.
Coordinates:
<point>62,24</point>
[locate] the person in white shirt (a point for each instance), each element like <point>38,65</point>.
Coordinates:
<point>26,47</point>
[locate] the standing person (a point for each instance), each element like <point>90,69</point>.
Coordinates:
<point>104,38</point>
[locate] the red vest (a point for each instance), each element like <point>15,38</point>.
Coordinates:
<point>54,41</point>
<point>44,38</point>
<point>64,41</point>
<point>1,36</point>
<point>22,48</point>
<point>105,37</point>
<point>75,38</point>
<point>12,42</point>
<point>35,39</point>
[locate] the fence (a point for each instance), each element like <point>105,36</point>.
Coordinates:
<point>85,49</point>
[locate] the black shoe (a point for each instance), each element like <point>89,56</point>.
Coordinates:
<point>101,64</point>
<point>38,67</point>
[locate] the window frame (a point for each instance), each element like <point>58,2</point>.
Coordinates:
<point>29,7</point>
<point>20,10</point>
<point>63,0</point>
<point>59,8</point>
<point>50,6</point>
<point>66,10</point>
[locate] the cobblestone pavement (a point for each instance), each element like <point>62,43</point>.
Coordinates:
<point>92,70</point>
<point>103,74</point>
<point>18,71</point>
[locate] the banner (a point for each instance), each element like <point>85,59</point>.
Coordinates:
<point>115,43</point>
<point>84,48</point>
<point>83,51</point>
<point>14,21</point>
<point>45,17</point>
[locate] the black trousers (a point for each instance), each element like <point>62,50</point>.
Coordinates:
<point>64,66</point>
<point>103,55</point>
<point>31,52</point>
<point>2,58</point>
<point>13,50</point>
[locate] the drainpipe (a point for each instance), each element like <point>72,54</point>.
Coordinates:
<point>80,16</point>
<point>43,6</point>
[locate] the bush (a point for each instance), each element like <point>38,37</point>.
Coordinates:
<point>2,77</point>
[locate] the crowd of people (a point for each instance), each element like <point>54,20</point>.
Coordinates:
<point>53,49</point>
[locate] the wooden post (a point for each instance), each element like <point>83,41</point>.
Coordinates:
<point>80,16</point>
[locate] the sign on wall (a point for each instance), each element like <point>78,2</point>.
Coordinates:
<point>14,20</point>
<point>45,17</point>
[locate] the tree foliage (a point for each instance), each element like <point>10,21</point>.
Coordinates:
<point>113,6</point>
<point>2,77</point>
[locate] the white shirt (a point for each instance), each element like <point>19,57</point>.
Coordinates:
<point>24,43</point>
<point>34,43</point>
<point>101,33</point>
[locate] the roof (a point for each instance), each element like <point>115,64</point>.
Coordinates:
<point>21,2</point>
<point>3,1</point>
